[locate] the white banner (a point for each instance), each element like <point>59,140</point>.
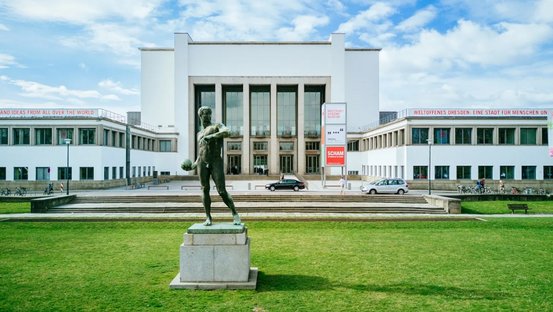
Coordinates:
<point>335,135</point>
<point>334,113</point>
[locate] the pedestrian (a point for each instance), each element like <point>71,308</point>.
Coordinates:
<point>342,184</point>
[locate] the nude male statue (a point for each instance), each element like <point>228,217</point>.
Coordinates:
<point>210,163</point>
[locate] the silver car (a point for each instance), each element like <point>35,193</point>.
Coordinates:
<point>387,185</point>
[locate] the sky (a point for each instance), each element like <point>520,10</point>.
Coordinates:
<point>435,54</point>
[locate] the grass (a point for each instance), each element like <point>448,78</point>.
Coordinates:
<point>15,207</point>
<point>502,264</point>
<point>500,207</point>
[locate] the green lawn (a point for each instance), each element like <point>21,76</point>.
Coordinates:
<point>500,265</point>
<point>500,207</point>
<point>15,207</point>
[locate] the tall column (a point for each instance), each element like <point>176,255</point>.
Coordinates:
<point>246,130</point>
<point>301,125</point>
<point>218,103</point>
<point>273,148</point>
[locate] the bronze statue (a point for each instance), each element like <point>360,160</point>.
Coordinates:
<point>210,163</point>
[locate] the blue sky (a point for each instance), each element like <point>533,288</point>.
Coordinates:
<point>450,53</point>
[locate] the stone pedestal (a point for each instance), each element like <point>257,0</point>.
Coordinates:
<point>215,257</point>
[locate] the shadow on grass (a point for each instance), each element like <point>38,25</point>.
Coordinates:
<point>470,211</point>
<point>433,290</point>
<point>291,282</point>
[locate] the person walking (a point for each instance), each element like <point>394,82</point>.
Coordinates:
<point>342,184</point>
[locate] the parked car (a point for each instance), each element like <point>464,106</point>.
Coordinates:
<point>286,184</point>
<point>395,186</point>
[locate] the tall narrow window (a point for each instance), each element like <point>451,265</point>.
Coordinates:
<point>204,95</point>
<point>260,111</point>
<point>314,97</point>
<point>286,110</point>
<point>544,136</point>
<point>233,109</point>
<point>2,173</point>
<point>3,136</point>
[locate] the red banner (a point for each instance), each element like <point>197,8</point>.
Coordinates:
<point>335,155</point>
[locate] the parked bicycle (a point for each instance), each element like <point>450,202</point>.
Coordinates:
<point>5,192</point>
<point>21,191</point>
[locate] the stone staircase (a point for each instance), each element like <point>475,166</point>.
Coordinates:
<point>293,202</point>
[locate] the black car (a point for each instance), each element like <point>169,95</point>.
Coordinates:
<point>290,184</point>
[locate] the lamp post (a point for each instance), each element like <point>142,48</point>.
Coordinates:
<point>429,166</point>
<point>67,142</point>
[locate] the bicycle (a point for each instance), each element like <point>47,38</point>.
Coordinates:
<point>21,191</point>
<point>5,192</point>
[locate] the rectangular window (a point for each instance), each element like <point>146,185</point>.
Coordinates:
<point>43,174</point>
<point>314,97</point>
<point>441,172</point>
<point>21,173</point>
<point>419,135</point>
<point>260,164</point>
<point>260,111</point>
<point>286,110</point>
<point>420,172</point>
<point>485,172</point>
<point>134,171</point>
<point>544,136</point>
<point>165,145</point>
<point>547,173</point>
<point>21,136</point>
<point>122,140</point>
<point>506,136</point>
<point>528,136</point>
<point>106,137</point>
<point>113,138</point>
<point>43,136</point>
<point>87,136</point>
<point>106,173</point>
<point>463,172</point>
<point>204,95</point>
<point>441,135</point>
<point>463,136</point>
<point>233,112</point>
<point>3,136</point>
<point>234,146</point>
<point>286,146</point>
<point>121,173</point>
<point>64,174</point>
<point>260,146</point>
<point>114,173</point>
<point>528,172</point>
<point>2,173</point>
<point>353,146</point>
<point>507,172</point>
<point>484,136</point>
<point>86,173</point>
<point>312,146</point>
<point>64,133</point>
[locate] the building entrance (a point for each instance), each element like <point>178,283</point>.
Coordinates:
<point>234,164</point>
<point>286,163</point>
<point>312,164</point>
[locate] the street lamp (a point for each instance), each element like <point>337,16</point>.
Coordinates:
<point>429,166</point>
<point>67,142</point>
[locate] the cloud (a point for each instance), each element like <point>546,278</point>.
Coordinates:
<point>4,28</point>
<point>418,20</point>
<point>7,60</point>
<point>303,27</point>
<point>112,86</point>
<point>366,19</point>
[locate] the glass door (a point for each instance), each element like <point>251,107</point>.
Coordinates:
<point>286,163</point>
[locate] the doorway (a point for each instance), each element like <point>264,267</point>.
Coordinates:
<point>286,163</point>
<point>234,164</point>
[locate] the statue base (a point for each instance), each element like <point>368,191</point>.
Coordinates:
<point>215,257</point>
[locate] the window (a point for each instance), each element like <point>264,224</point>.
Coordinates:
<point>234,146</point>
<point>260,110</point>
<point>121,172</point>
<point>42,173</point>
<point>547,173</point>
<point>484,135</point>
<point>463,136</point>
<point>506,135</point>
<point>441,172</point>
<point>441,135</point>
<point>87,136</point>
<point>463,172</point>
<point>134,171</point>
<point>21,173</point>
<point>260,146</point>
<point>165,145</point>
<point>286,111</point>
<point>86,173</point>
<point>353,146</point>
<point>544,136</point>
<point>312,146</point>
<point>419,135</point>
<point>485,172</point>
<point>106,173</point>
<point>122,139</point>
<point>113,138</point>
<point>528,172</point>
<point>106,137</point>
<point>63,173</point>
<point>2,173</point>
<point>507,172</point>
<point>21,136</point>
<point>114,173</point>
<point>233,109</point>
<point>64,133</point>
<point>286,146</point>
<point>204,95</point>
<point>314,97</point>
<point>420,172</point>
<point>43,136</point>
<point>312,164</point>
<point>260,164</point>
<point>528,136</point>
<point>3,136</point>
